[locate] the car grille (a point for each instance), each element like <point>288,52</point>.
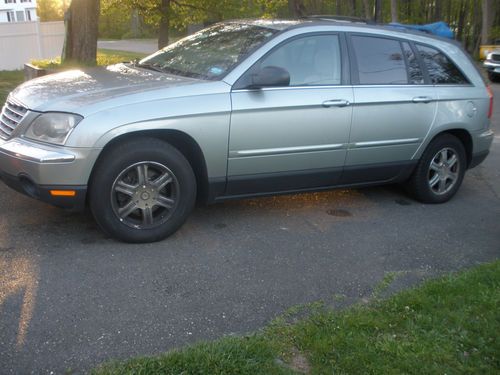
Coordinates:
<point>495,57</point>
<point>12,114</point>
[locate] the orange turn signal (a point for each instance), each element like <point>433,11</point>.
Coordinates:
<point>63,193</point>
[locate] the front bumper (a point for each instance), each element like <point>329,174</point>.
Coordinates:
<point>37,170</point>
<point>43,193</point>
<point>492,67</point>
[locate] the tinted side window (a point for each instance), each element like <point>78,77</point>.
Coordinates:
<point>380,60</point>
<point>415,75</point>
<point>312,60</point>
<point>441,69</point>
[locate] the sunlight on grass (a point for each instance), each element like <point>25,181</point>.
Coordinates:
<point>104,57</point>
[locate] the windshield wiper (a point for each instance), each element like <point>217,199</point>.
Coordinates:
<point>149,66</point>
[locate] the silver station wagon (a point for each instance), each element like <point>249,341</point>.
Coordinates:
<point>248,108</point>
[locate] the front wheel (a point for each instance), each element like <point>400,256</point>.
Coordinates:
<point>440,171</point>
<point>142,191</point>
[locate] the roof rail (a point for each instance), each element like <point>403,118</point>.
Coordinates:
<point>332,17</point>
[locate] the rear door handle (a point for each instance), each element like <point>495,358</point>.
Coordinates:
<point>336,103</point>
<point>422,99</point>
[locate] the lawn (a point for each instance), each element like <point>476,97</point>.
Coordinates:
<point>104,57</point>
<point>9,79</point>
<point>445,326</point>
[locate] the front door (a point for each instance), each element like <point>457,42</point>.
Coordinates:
<point>294,137</point>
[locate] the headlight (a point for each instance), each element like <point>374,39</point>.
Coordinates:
<point>52,127</point>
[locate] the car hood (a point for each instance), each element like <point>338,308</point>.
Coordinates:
<point>72,90</point>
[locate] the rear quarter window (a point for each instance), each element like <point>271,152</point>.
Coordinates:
<point>441,70</point>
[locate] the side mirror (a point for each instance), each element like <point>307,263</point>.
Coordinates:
<point>270,76</point>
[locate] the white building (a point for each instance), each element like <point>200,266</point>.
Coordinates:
<point>17,10</point>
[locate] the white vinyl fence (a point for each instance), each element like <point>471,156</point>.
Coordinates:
<point>21,42</point>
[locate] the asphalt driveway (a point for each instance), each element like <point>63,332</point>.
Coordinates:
<point>146,46</point>
<point>70,298</point>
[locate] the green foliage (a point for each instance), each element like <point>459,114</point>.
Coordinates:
<point>51,10</point>
<point>448,325</point>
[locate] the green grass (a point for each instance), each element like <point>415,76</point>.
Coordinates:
<point>9,79</point>
<point>446,326</point>
<point>104,57</point>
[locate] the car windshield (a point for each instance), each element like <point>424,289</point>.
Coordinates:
<point>210,53</point>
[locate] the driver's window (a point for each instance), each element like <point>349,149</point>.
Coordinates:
<point>310,61</point>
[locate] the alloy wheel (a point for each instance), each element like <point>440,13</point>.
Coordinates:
<point>144,195</point>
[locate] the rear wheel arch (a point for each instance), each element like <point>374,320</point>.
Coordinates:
<point>464,137</point>
<point>440,170</point>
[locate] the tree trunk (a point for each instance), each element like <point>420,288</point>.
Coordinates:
<point>368,9</point>
<point>164,24</point>
<point>378,11</point>
<point>354,9</point>
<point>82,24</point>
<point>448,12</point>
<point>476,29</point>
<point>297,8</point>
<point>487,23</point>
<point>134,23</point>
<point>394,10</point>
<point>438,10</point>
<point>461,21</point>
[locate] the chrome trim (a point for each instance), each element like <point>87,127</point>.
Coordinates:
<point>27,152</point>
<point>287,88</point>
<point>285,150</point>
<point>391,142</point>
<point>12,115</point>
<point>11,127</point>
<point>487,134</point>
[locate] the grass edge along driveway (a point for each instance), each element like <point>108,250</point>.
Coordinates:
<point>448,326</point>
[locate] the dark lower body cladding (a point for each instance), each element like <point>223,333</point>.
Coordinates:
<point>478,158</point>
<point>45,193</point>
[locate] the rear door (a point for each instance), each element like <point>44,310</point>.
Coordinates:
<point>394,108</point>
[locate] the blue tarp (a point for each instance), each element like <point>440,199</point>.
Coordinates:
<point>437,28</point>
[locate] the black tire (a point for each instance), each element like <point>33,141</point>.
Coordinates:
<point>436,179</point>
<point>149,178</point>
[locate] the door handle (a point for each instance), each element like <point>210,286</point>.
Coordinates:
<point>422,99</point>
<point>336,103</point>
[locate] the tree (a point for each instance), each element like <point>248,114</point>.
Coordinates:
<point>487,23</point>
<point>368,9</point>
<point>378,11</point>
<point>164,23</point>
<point>296,8</point>
<point>82,23</point>
<point>394,10</point>
<point>50,10</point>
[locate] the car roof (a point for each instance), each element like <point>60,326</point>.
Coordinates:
<point>337,21</point>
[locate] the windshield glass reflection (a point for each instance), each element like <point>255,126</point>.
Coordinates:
<point>210,53</point>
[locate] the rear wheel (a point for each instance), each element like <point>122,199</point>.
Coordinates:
<point>440,170</point>
<point>142,191</point>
